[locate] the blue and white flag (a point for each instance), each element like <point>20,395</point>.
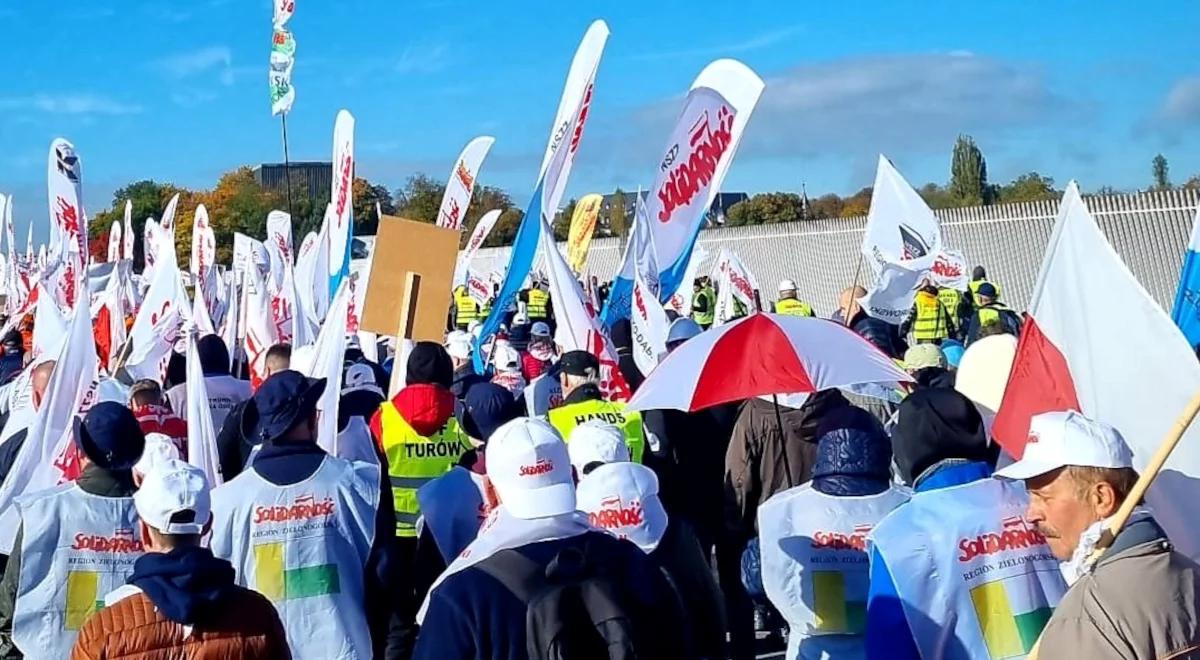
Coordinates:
<point>1186,312</point>
<point>690,173</point>
<point>565,136</point>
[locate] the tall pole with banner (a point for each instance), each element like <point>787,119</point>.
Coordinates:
<point>283,94</point>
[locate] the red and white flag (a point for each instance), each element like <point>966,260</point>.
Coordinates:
<point>1136,373</point>
<point>457,197</point>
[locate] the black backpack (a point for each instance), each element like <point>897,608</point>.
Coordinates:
<point>575,610</point>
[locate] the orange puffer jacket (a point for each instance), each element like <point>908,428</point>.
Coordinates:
<point>247,627</point>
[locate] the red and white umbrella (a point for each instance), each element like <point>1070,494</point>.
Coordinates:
<point>760,355</point>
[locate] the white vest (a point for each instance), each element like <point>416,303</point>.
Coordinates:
<point>305,547</point>
<point>815,568</point>
<point>453,508</point>
<point>76,547</point>
<point>975,578</point>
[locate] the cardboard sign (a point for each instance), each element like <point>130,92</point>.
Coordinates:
<point>401,247</point>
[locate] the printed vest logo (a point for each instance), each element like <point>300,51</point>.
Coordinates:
<point>614,418</point>
<point>543,466</point>
<point>614,516</point>
<point>856,540</point>
<point>433,449</point>
<point>1015,534</point>
<point>305,507</point>
<point>122,541</point>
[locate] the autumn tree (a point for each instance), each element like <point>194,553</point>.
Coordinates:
<point>366,196</point>
<point>968,173</point>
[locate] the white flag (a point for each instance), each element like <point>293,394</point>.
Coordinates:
<point>114,242</point>
<point>128,233</point>
<point>229,325</point>
<point>261,332</point>
<point>457,197</point>
<point>328,362</point>
<point>150,232</point>
<point>114,299</point>
<point>156,327</point>
<point>283,11</point>
<point>40,463</point>
<point>202,440</point>
<point>204,256</point>
<point>949,271</point>
<point>736,282</point>
<point>341,224</point>
<point>478,236</point>
<point>49,328</point>
<point>479,288</point>
<point>168,218</point>
<point>279,244</point>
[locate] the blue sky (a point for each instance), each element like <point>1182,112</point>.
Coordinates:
<point>176,91</point>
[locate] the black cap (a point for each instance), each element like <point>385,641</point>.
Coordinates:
<point>110,436</point>
<point>429,363</point>
<point>580,363</point>
<point>485,408</point>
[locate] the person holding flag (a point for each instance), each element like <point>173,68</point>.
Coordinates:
<point>583,401</point>
<point>77,541</point>
<point>306,529</point>
<point>1139,599</point>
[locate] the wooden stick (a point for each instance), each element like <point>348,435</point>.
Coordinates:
<point>408,318</point>
<point>1138,492</point>
<point>849,314</point>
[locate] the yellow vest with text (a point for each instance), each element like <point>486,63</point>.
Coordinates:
<point>932,320</point>
<point>950,299</point>
<point>793,307</point>
<point>566,418</point>
<point>414,460</point>
<point>466,309</point>
<point>536,307</point>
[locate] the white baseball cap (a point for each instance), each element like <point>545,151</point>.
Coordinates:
<point>623,499</point>
<point>360,378</point>
<point>171,488</point>
<point>787,285</point>
<point>528,465</point>
<point>1059,439</point>
<point>596,442</point>
<point>540,329</point>
<point>159,449</point>
<point>458,344</point>
<point>506,358</point>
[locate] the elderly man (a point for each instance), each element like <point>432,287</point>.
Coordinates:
<point>1139,599</point>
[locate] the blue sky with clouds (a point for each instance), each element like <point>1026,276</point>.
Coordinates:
<point>176,91</point>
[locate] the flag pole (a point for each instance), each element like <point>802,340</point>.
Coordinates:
<point>854,285</point>
<point>1138,492</point>
<point>287,164</point>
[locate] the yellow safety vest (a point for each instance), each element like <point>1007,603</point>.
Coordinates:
<point>950,299</point>
<point>467,310</point>
<point>991,313</point>
<point>792,307</point>
<point>706,317</point>
<point>932,320</point>
<point>566,418</point>
<point>536,307</point>
<point>975,284</point>
<point>414,460</point>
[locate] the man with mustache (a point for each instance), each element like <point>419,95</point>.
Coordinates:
<point>1140,598</point>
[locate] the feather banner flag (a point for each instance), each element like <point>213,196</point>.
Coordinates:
<point>461,185</point>
<point>583,225</point>
<point>283,58</point>
<point>478,236</point>
<point>690,173</point>
<point>114,242</point>
<point>202,440</point>
<point>341,223</point>
<point>128,243</point>
<point>565,136</point>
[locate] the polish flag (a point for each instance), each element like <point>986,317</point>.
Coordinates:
<point>1096,342</point>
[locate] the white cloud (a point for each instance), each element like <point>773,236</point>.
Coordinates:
<point>69,104</point>
<point>1182,104</point>
<point>184,65</point>
<point>420,59</point>
<point>749,44</point>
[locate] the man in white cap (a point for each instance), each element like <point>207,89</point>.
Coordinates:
<point>1140,598</point>
<point>459,346</point>
<point>596,443</point>
<point>536,543</point>
<point>622,497</point>
<point>180,601</point>
<point>788,304</point>
<point>159,449</point>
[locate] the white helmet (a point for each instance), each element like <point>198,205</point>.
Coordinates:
<point>787,285</point>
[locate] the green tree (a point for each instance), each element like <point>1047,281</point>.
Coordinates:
<point>766,208</point>
<point>420,198</point>
<point>505,231</point>
<point>937,197</point>
<point>857,204</point>
<point>366,196</point>
<point>1162,173</point>
<point>1193,183</point>
<point>968,173</point>
<point>149,199</point>
<point>1030,187</point>
<point>562,221</point>
<point>826,206</point>
<point>617,222</point>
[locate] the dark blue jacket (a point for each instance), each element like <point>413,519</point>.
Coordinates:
<point>287,464</point>
<point>882,334</point>
<point>889,636</point>
<point>472,616</point>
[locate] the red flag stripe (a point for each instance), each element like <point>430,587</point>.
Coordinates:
<point>1040,381</point>
<point>737,366</point>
